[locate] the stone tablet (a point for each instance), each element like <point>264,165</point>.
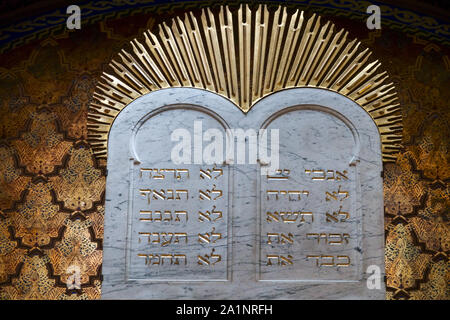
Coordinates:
<point>178,212</point>
<point>312,228</point>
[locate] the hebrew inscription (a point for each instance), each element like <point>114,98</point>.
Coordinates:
<point>309,222</point>
<point>180,213</point>
<point>293,211</point>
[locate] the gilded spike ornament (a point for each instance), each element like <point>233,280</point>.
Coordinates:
<point>244,56</point>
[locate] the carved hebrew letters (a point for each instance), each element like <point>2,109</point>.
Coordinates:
<point>307,214</point>
<point>179,212</point>
<point>221,229</point>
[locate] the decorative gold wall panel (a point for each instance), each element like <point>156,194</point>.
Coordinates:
<point>245,55</point>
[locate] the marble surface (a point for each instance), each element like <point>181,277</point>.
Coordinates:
<point>325,226</point>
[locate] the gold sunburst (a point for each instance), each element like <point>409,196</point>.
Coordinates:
<point>244,56</point>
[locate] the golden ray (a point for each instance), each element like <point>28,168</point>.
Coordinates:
<point>244,56</point>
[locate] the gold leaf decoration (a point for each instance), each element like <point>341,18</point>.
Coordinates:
<point>245,55</point>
